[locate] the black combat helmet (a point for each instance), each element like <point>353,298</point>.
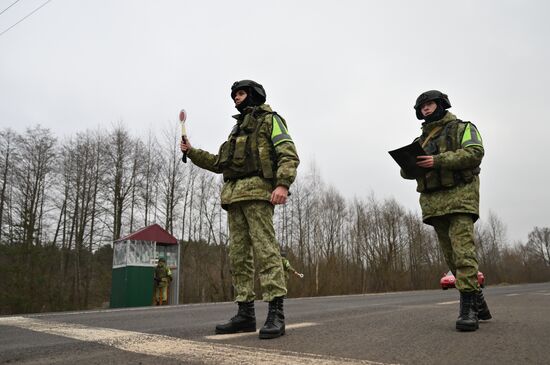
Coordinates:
<point>254,90</point>
<point>431,95</point>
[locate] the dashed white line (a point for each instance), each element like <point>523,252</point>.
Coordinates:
<point>177,348</point>
<point>452,302</point>
<point>247,334</point>
<point>512,294</point>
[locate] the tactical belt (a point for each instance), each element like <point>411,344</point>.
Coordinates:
<point>240,177</point>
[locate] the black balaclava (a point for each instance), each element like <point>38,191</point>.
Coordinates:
<point>438,113</point>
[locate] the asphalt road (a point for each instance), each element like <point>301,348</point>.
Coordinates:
<point>391,328</point>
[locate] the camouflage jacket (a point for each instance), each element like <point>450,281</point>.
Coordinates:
<point>464,197</point>
<point>163,275</point>
<point>255,187</point>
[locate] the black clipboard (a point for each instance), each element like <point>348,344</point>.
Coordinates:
<point>406,158</point>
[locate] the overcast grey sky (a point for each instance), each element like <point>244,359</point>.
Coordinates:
<point>344,74</point>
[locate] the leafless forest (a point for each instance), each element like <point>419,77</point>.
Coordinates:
<point>63,202</point>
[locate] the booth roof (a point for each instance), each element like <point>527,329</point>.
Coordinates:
<point>154,233</point>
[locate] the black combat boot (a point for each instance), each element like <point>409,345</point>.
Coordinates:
<point>467,320</point>
<point>274,325</point>
<point>482,307</point>
<point>244,321</point>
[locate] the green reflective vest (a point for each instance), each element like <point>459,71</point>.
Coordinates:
<point>454,135</point>
<point>248,153</point>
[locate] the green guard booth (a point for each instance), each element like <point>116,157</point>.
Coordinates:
<point>134,260</point>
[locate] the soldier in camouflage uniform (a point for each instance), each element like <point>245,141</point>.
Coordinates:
<point>449,196</point>
<point>258,163</point>
<point>163,278</point>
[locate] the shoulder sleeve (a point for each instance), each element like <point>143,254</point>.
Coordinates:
<point>279,133</point>
<point>286,156</point>
<point>471,136</point>
<point>468,156</point>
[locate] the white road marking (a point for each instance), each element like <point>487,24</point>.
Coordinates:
<point>109,310</point>
<point>445,303</point>
<point>512,294</point>
<point>177,348</point>
<point>246,334</point>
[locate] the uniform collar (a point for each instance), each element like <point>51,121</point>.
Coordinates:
<point>448,117</point>
<point>264,108</point>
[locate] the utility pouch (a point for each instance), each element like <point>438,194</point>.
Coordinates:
<point>225,153</point>
<point>432,180</point>
<point>239,156</point>
<point>447,178</point>
<point>468,175</point>
<point>266,163</point>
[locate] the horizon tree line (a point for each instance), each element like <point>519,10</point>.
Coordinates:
<point>63,202</point>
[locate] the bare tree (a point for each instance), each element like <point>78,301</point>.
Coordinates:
<point>7,150</point>
<point>171,178</point>
<point>151,170</point>
<point>331,222</point>
<point>36,149</point>
<point>187,207</point>
<point>81,175</point>
<point>539,244</point>
<point>490,239</point>
<point>119,157</point>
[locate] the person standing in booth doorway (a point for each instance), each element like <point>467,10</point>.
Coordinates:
<point>163,278</point>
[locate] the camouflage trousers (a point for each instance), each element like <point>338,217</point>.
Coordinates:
<point>252,237</point>
<point>455,233</point>
<point>161,294</point>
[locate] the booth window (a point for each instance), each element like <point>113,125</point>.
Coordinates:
<point>169,253</point>
<point>119,254</point>
<point>141,253</point>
